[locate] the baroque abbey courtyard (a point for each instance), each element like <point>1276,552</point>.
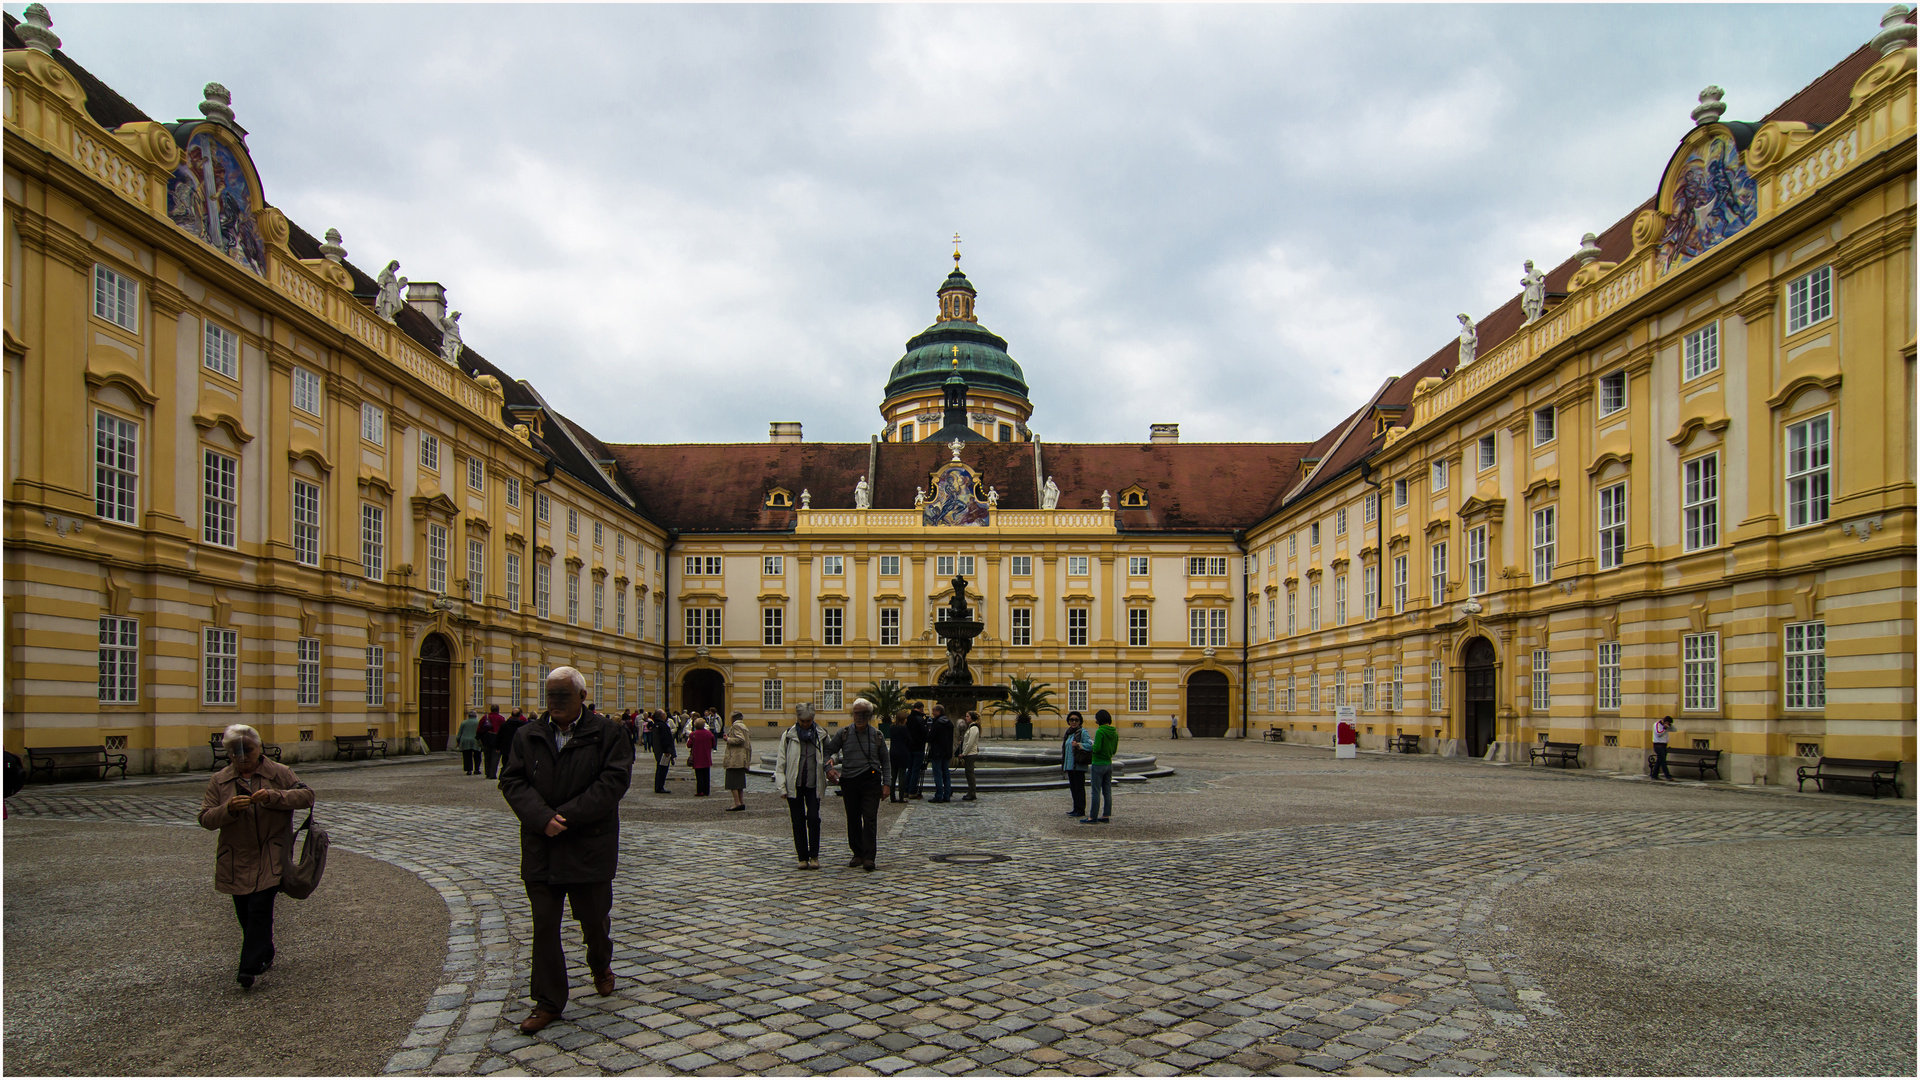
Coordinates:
<point>250,480</point>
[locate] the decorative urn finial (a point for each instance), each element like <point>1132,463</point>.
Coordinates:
<point>332,249</point>
<point>1896,32</point>
<point>1710,107</point>
<point>956,446</point>
<point>1589,249</point>
<point>218,104</point>
<point>36,29</point>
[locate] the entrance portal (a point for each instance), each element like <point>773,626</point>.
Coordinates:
<point>702,689</point>
<point>1207,704</point>
<point>436,690</point>
<point>1479,687</point>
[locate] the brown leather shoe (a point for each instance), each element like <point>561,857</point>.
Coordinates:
<point>603,983</point>
<point>540,1018</point>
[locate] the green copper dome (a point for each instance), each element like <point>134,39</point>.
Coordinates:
<point>959,347</point>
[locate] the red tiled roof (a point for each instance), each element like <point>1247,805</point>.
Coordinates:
<point>1827,97</point>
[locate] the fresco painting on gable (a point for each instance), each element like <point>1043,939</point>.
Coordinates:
<point>209,197</point>
<point>1713,199</point>
<point>955,499</point>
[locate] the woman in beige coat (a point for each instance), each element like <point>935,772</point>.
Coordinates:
<point>251,802</point>
<point>736,759</point>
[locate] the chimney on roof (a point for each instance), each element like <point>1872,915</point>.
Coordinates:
<point>428,298</point>
<point>784,431</point>
<point>1165,433</point>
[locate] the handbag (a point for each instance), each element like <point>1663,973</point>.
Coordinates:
<point>302,874</point>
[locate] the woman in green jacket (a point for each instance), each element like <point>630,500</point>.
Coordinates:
<point>1106,740</point>
<point>468,740</point>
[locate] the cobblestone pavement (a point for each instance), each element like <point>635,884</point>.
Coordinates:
<point>1319,948</point>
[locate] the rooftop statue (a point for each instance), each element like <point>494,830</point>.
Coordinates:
<point>1469,340</point>
<point>1534,300</point>
<point>1050,498</point>
<point>862,495</point>
<point>450,339</point>
<point>388,300</point>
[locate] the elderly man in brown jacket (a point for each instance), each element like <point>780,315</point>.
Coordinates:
<point>565,777</point>
<point>251,802</point>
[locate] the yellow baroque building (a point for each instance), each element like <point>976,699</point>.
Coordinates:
<point>1674,476</point>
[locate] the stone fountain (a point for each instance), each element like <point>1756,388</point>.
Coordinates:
<point>955,687</point>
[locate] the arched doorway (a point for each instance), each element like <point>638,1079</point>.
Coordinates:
<point>1207,704</point>
<point>1477,717</point>
<point>436,690</point>
<point>702,689</point>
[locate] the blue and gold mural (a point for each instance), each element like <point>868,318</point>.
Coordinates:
<point>209,197</point>
<point>955,498</point>
<point>1712,199</point>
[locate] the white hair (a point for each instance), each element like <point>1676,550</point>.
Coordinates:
<point>239,733</point>
<point>572,675</point>
<point>861,704</point>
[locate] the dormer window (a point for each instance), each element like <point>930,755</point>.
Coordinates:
<point>1133,497</point>
<point>779,497</point>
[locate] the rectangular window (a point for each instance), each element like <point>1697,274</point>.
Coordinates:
<point>1399,584</point>
<point>306,391</point>
<point>1399,493</point>
<point>477,571</point>
<point>770,694</point>
<point>1313,691</point>
<point>599,587</point>
<point>513,688</point>
<point>1488,452</point>
<point>1436,687</point>
<point>1440,475</point>
<point>1370,507</point>
<point>222,504</point>
<point>889,626</point>
<point>376,675</point>
<point>1022,630</point>
<point>306,523</point>
<point>573,597</point>
<point>1077,695</point>
<point>906,432</point>
<point>1809,470</point>
<point>773,565</point>
<point>1272,628</point>
<point>220,350</point>
<point>1340,689</point>
<point>373,541</point>
<point>1217,627</point>
<point>1700,672</point>
<point>620,610</point>
<point>1313,606</point>
<point>373,423</point>
<point>1136,566</point>
<point>1543,419</point>
<point>573,521</point>
<point>307,671</point>
<point>1476,560</point>
<point>116,469</point>
<point>513,492</point>
<point>477,686</point>
<point>1809,299</point>
<point>1076,626</point>
<point>693,635</point>
<point>966,565</point>
<point>436,558</point>
<point>1540,678</point>
<point>1399,690</point>
<point>620,546</point>
<point>1700,351</point>
<point>1613,526</point>
<point>1293,700</point>
<point>889,566</point>
<point>623,690</point>
<point>713,625</point>
<point>1613,393</point>
<point>543,511</point>
<point>832,565</point>
<point>1197,628</point>
<point>1609,676</point>
<point>430,451</point>
<point>1437,573</point>
<point>1340,521</point>
<point>1207,566</point>
<point>1293,612</point>
<point>1313,535</point>
<point>1700,502</point>
<point>1340,600</point>
<point>1022,566</point>
<point>220,666</point>
<point>476,474</point>
<point>543,588</point>
<point>833,625</point>
<point>943,566</point>
<point>599,535</point>
<point>773,626</point>
<point>116,298</point>
<point>1544,531</point>
<point>832,694</point>
<point>1806,665</point>
<point>513,581</point>
<point>1137,695</point>
<point>1077,566</point>
<point>1368,702</point>
<point>1293,544</point>
<point>119,661</point>
<point>1370,593</point>
<point>1137,626</point>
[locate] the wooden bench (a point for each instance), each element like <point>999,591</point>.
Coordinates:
<point>1700,761</point>
<point>219,744</point>
<point>1853,771</point>
<point>46,759</point>
<point>1274,733</point>
<point>1566,753</point>
<point>364,745</point>
<point>1403,744</point>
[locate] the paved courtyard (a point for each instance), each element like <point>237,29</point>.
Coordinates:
<point>1268,910</point>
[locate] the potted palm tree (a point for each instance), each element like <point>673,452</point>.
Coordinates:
<point>1026,698</point>
<point>888,699</point>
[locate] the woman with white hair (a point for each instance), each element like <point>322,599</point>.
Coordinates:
<point>251,802</point>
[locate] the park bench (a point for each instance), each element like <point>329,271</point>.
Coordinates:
<point>1274,733</point>
<point>220,757</point>
<point>55,758</point>
<point>1566,753</point>
<point>1852,771</point>
<point>364,745</point>
<point>1403,744</point>
<point>1700,761</point>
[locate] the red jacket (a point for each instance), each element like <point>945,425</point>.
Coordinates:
<point>700,749</point>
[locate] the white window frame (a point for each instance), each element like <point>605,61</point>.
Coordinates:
<point>1077,625</point>
<point>430,451</point>
<point>1545,543</point>
<point>966,565</point>
<point>1020,629</point>
<point>1079,566</point>
<point>1400,493</point>
<point>373,423</point>
<point>833,626</point>
<point>373,542</point>
<point>1293,700</point>
<point>1700,352</point>
<point>832,694</point>
<point>1607,697</point>
<point>943,566</point>
<point>116,298</point>
<point>1217,627</point>
<point>1810,299</point>
<point>1313,691</point>
<point>1805,649</point>
<point>1313,606</point>
<point>773,565</point>
<point>477,683</point>
<point>543,588</point>
<point>1612,516</point>
<point>436,558</point>
<point>476,570</point>
<point>220,498</point>
<point>1546,425</point>
<point>1370,508</point>
<point>219,666</point>
<point>1700,674</point>
<point>1437,572</point>
<point>890,626</point>
<point>1340,521</point>
<point>1540,680</point>
<point>1700,502</point>
<point>833,566</point>
<point>1440,475</point>
<point>308,392</point>
<point>1477,560</point>
<point>1076,695</point>
<point>1138,627</point>
<point>1368,700</point>
<point>1021,566</point>
<point>599,535</point>
<point>1293,544</point>
<point>1138,699</point>
<point>1613,392</point>
<point>376,676</point>
<point>1399,584</point>
<point>1399,689</point>
<point>599,586</point>
<point>620,610</point>
<point>889,566</point>
<point>306,523</point>
<point>1340,688</point>
<point>573,597</point>
<point>1489,452</point>
<point>219,349</point>
<point>1138,566</point>
<point>1272,624</point>
<point>119,645</point>
<point>1339,599</point>
<point>1313,535</point>
<point>513,581</point>
<point>1809,462</point>
<point>773,625</point>
<point>116,468</point>
<point>772,692</point>
<point>513,492</point>
<point>573,521</point>
<point>1293,611</point>
<point>1436,686</point>
<point>543,511</point>
<point>476,474</point>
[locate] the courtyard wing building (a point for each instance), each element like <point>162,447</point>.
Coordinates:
<point>247,480</point>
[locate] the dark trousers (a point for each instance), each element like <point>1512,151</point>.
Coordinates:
<point>1102,786</point>
<point>862,794</point>
<point>660,767</point>
<point>902,765</point>
<point>1077,779</point>
<point>1660,761</point>
<point>916,768</point>
<point>967,764</point>
<point>702,781</point>
<point>942,778</point>
<point>490,758</point>
<point>592,909</point>
<point>470,761</point>
<point>804,806</point>
<point>255,912</point>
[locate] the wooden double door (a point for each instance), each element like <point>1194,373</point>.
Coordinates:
<point>436,691</point>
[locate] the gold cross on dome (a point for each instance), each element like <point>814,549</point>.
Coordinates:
<point>956,251</point>
<point>956,356</point>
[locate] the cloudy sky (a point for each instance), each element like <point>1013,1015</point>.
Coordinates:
<point>681,223</point>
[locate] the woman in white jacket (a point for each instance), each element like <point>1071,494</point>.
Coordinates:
<point>969,749</point>
<point>800,773</point>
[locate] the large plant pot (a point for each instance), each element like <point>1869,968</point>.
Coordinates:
<point>1023,729</point>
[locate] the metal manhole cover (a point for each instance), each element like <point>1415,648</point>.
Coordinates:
<point>970,858</point>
